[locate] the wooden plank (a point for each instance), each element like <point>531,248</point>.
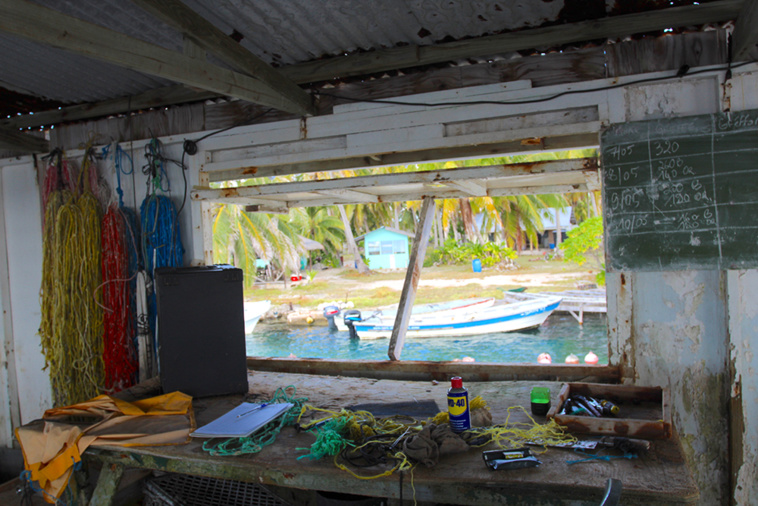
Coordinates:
<point>107,484</point>
<point>193,26</point>
<point>206,223</point>
<point>412,275</point>
<point>9,392</point>
<point>657,478</point>
<point>427,371</point>
<point>464,125</point>
<point>14,140</point>
<point>267,208</point>
<point>546,37</point>
<point>476,174</point>
<point>528,140</point>
<point>644,411</point>
<point>472,188</point>
<point>154,98</point>
<point>656,54</point>
<point>145,125</point>
<point>549,143</point>
<point>47,26</point>
<point>350,195</point>
<point>745,35</point>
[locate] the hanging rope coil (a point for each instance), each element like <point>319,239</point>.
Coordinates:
<point>119,353</point>
<point>77,316</point>
<point>120,266</point>
<point>71,327</point>
<point>161,237</point>
<point>161,244</point>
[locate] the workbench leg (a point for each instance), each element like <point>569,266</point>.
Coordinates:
<point>107,484</point>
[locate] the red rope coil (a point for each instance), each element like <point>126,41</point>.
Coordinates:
<point>119,355</point>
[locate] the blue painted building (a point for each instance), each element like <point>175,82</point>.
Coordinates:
<point>386,248</point>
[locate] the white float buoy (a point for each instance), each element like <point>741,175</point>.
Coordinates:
<point>544,358</point>
<point>590,358</point>
<point>572,359</point>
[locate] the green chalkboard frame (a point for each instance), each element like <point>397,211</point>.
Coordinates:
<point>681,193</point>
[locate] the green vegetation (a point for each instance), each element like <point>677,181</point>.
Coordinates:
<point>495,230</point>
<point>490,254</point>
<point>585,245</point>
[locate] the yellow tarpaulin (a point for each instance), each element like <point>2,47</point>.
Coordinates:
<point>53,446</point>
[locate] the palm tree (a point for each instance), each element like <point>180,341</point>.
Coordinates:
<point>350,239</point>
<point>319,224</point>
<point>239,238</point>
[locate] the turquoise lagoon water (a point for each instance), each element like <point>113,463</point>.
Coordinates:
<point>559,336</point>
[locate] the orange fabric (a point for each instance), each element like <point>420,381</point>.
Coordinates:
<point>52,448</point>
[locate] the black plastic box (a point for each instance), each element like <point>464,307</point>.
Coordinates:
<point>201,330</point>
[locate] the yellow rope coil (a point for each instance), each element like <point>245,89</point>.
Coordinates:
<point>72,318</point>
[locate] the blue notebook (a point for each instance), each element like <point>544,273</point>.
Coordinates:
<point>243,420</point>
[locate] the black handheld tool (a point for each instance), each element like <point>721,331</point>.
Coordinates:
<point>519,458</point>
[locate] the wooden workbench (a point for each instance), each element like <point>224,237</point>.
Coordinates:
<point>660,477</point>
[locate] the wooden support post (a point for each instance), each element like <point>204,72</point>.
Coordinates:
<point>412,275</point>
<point>107,484</point>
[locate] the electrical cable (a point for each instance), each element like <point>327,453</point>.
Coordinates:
<point>532,100</point>
<point>189,147</point>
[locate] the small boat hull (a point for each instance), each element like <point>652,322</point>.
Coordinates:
<point>495,319</point>
<point>436,309</point>
<point>253,312</point>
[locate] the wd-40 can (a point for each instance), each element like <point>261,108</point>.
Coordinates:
<point>457,405</point>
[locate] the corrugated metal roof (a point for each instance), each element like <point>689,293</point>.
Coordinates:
<point>302,30</point>
<point>54,74</point>
<point>280,32</point>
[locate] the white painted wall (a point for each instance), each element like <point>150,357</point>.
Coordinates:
<point>743,329</point>
<point>681,342</point>
<point>23,247</point>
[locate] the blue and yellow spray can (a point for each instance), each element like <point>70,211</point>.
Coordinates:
<point>457,405</point>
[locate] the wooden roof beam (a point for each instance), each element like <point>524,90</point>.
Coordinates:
<point>47,26</point>
<point>350,195</point>
<point>473,188</point>
<point>546,37</point>
<point>159,97</point>
<point>745,35</point>
<point>444,176</point>
<point>14,140</point>
<point>196,28</point>
<point>269,209</point>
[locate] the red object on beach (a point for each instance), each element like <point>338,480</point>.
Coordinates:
<point>296,277</point>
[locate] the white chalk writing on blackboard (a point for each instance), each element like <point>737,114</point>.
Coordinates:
<point>682,193</point>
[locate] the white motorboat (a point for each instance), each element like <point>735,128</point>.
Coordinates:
<point>434,308</point>
<point>253,313</point>
<point>501,317</point>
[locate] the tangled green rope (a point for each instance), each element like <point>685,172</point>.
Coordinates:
<point>330,440</point>
<point>266,435</point>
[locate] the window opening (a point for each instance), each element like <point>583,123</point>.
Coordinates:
<point>516,248</point>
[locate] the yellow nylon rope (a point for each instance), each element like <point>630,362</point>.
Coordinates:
<point>71,329</point>
<point>518,434</point>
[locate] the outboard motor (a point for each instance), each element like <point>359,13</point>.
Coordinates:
<point>350,317</point>
<point>330,313</point>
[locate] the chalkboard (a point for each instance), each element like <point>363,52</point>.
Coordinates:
<point>682,193</point>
